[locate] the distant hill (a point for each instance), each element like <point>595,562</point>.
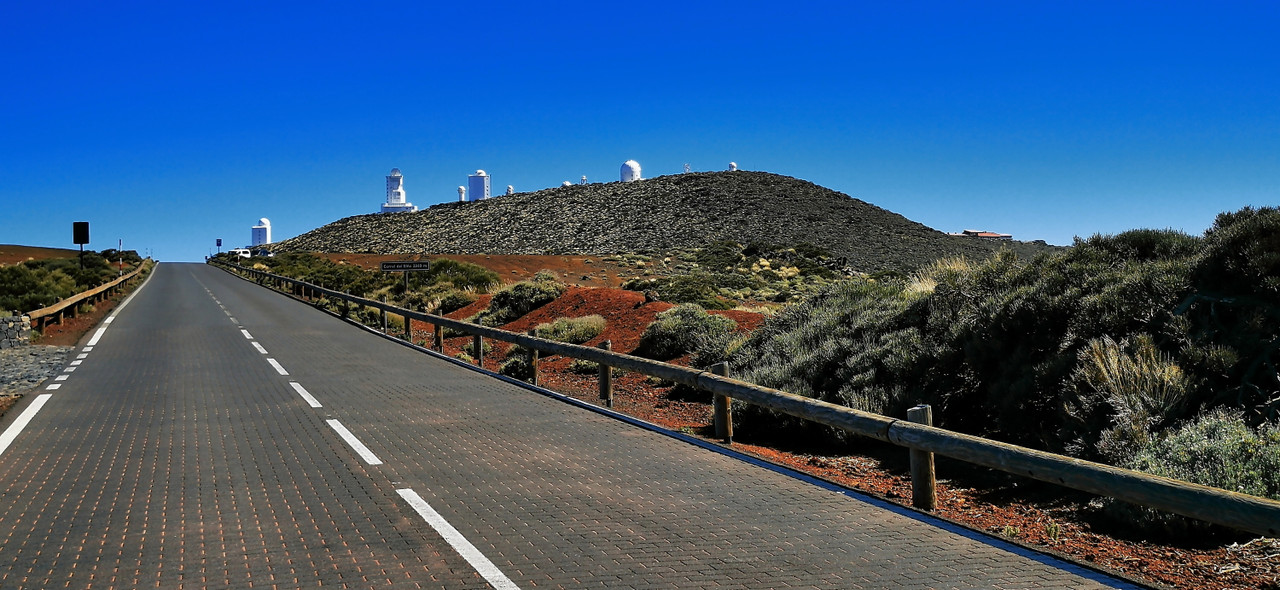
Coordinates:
<point>13,253</point>
<point>660,214</point>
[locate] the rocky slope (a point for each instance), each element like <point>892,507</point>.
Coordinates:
<point>656,215</point>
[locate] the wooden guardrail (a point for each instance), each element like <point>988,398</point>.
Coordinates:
<point>1239,511</point>
<point>67,307</point>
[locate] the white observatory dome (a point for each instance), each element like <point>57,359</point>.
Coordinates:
<point>264,222</point>
<point>630,171</point>
<point>396,172</point>
<point>480,173</point>
<point>733,166</point>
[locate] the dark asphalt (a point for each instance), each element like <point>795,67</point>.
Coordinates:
<point>177,456</point>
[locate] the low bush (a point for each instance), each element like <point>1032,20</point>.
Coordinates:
<point>470,348</point>
<point>514,301</point>
<point>572,330</point>
<point>680,330</point>
<point>518,365</point>
<point>455,300</point>
<point>1216,449</point>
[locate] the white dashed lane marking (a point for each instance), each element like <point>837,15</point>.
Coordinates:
<point>247,335</point>
<point>260,348</point>
<point>355,443</point>
<point>14,429</point>
<point>306,395</point>
<point>276,365</point>
<point>483,566</point>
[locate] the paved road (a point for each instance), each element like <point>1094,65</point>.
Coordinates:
<point>217,435</point>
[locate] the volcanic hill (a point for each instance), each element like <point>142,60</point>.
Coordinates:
<point>660,214</point>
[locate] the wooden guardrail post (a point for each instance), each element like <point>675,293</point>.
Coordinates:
<point>477,346</point>
<point>606,377</point>
<point>924,492</point>
<point>438,340</point>
<point>723,411</point>
<point>533,360</point>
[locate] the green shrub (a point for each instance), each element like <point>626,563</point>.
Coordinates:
<point>1216,449</point>
<point>455,300</point>
<point>572,330</point>
<point>470,348</point>
<point>719,255</point>
<point>1138,387</point>
<point>680,330</point>
<point>514,301</point>
<point>517,366</point>
<point>462,275</point>
<point>584,367</point>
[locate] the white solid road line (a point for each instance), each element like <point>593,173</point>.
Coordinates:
<point>355,443</point>
<point>259,347</point>
<point>16,428</point>
<point>483,566</point>
<point>277,366</point>
<point>96,335</point>
<point>306,395</point>
<point>111,318</point>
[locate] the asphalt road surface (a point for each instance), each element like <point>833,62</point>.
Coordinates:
<point>214,434</point>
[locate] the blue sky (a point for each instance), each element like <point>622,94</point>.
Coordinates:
<point>172,124</point>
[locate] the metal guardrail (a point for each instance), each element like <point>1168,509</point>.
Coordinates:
<point>1235,510</point>
<point>67,307</point>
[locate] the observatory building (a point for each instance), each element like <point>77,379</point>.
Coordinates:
<point>395,194</point>
<point>478,186</point>
<point>630,171</point>
<point>261,233</point>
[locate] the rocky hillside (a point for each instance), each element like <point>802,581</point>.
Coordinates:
<point>655,215</point>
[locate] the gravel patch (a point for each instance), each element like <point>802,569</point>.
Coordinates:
<point>24,367</point>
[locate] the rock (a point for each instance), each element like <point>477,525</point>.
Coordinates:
<point>663,214</point>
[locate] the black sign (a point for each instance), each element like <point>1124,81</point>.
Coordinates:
<point>80,232</point>
<point>406,266</point>
<point>219,242</point>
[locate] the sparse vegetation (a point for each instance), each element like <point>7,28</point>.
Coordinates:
<point>514,301</point>
<point>35,284</point>
<point>725,273</point>
<point>681,330</point>
<point>571,330</point>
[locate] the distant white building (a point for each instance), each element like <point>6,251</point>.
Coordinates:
<point>462,194</point>
<point>630,171</point>
<point>395,194</point>
<point>478,186</point>
<point>261,233</point>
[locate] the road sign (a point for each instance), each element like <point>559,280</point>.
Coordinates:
<point>80,232</point>
<point>405,266</point>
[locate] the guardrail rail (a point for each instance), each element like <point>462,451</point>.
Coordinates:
<point>1223,507</point>
<point>67,307</point>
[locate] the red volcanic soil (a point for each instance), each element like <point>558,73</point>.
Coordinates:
<point>11,254</point>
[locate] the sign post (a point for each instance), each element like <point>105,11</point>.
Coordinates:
<point>80,235</point>
<point>406,267</point>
